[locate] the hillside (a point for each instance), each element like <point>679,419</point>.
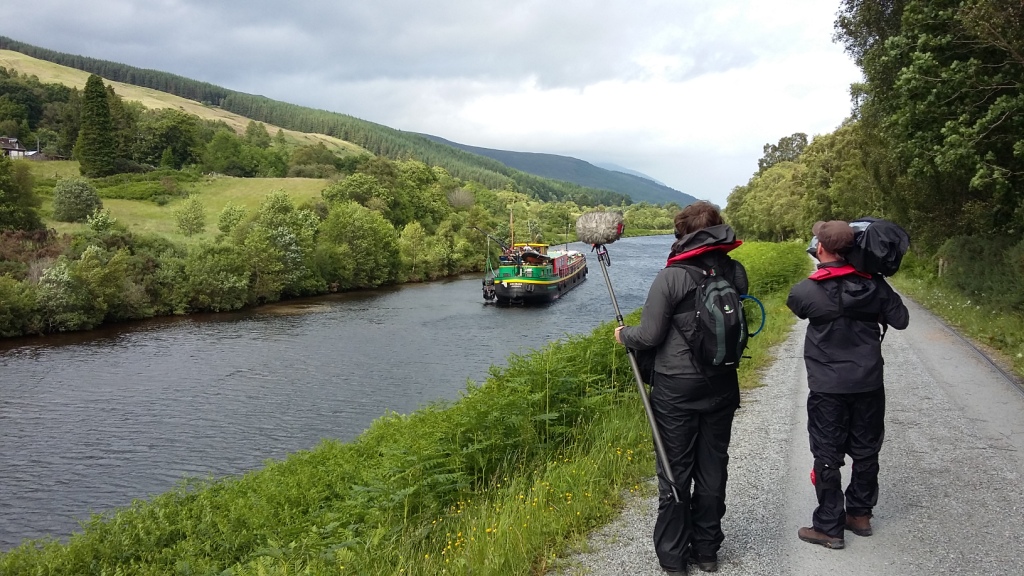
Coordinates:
<point>55,73</point>
<point>374,138</point>
<point>579,172</point>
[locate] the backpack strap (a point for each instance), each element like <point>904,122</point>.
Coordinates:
<point>689,304</point>
<point>697,274</point>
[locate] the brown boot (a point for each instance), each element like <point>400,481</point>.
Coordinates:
<point>811,535</point>
<point>859,525</point>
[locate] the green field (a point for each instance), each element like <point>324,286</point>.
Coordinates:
<point>214,191</point>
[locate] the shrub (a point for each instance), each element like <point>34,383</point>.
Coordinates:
<point>191,216</point>
<point>229,217</point>
<point>157,186</point>
<point>66,299</point>
<point>984,268</point>
<point>101,220</point>
<point>74,199</point>
<point>312,171</point>
<point>216,278</point>
<point>19,308</point>
<point>371,241</point>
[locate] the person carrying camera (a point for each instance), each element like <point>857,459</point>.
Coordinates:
<point>846,401</point>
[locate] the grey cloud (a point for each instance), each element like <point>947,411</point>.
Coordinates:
<point>563,44</point>
<point>411,64</point>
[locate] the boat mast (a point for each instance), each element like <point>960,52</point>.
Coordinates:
<point>567,220</point>
<point>511,227</point>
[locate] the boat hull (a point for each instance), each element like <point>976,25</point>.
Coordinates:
<point>518,290</point>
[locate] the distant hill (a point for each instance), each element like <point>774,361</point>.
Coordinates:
<point>623,169</point>
<point>636,186</point>
<point>374,138</point>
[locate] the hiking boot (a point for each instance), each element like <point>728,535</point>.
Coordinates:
<point>859,525</point>
<point>706,562</point>
<point>814,537</point>
<point>673,572</point>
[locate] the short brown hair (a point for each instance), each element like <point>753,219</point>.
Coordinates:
<point>836,236</point>
<point>697,216</point>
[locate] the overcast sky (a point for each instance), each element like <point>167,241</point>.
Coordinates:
<point>685,91</point>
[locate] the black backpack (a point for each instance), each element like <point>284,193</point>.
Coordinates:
<point>721,334</point>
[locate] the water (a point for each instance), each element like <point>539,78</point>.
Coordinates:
<point>91,421</point>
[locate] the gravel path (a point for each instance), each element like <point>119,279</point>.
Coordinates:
<point>951,498</point>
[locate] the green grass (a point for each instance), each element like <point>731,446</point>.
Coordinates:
<point>215,192</point>
<point>503,481</point>
<point>52,169</point>
<point>1000,332</point>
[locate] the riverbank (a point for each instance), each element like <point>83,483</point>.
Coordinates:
<point>497,482</point>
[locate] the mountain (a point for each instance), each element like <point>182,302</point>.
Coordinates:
<point>375,138</point>
<point>568,169</point>
<point>623,169</point>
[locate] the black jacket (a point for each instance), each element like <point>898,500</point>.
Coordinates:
<point>843,353</point>
<point>705,248</point>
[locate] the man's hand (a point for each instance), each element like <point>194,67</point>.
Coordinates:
<point>617,337</point>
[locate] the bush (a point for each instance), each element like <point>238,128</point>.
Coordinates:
<point>216,278</point>
<point>74,199</point>
<point>229,217</point>
<point>371,243</point>
<point>984,268</point>
<point>772,267</point>
<point>67,302</point>
<point>157,186</point>
<point>19,308</point>
<point>191,216</point>
<point>312,171</point>
<point>101,220</point>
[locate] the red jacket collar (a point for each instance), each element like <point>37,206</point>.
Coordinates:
<point>826,272</point>
<point>702,250</point>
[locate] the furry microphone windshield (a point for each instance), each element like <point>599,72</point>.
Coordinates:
<point>598,228</point>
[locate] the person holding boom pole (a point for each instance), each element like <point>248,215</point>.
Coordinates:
<point>693,399</point>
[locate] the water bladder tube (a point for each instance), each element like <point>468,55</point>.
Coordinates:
<point>758,302</point>
<point>659,447</point>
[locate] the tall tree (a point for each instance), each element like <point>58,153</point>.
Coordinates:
<point>123,122</point>
<point>256,134</point>
<point>788,149</point>
<point>96,149</point>
<point>944,87</point>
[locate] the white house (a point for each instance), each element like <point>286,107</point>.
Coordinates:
<point>10,147</point>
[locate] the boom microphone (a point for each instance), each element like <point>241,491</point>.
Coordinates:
<point>598,228</point>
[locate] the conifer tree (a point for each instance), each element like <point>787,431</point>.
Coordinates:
<point>95,149</point>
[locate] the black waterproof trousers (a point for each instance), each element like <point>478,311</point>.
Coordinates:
<point>841,424</point>
<point>694,417</point>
